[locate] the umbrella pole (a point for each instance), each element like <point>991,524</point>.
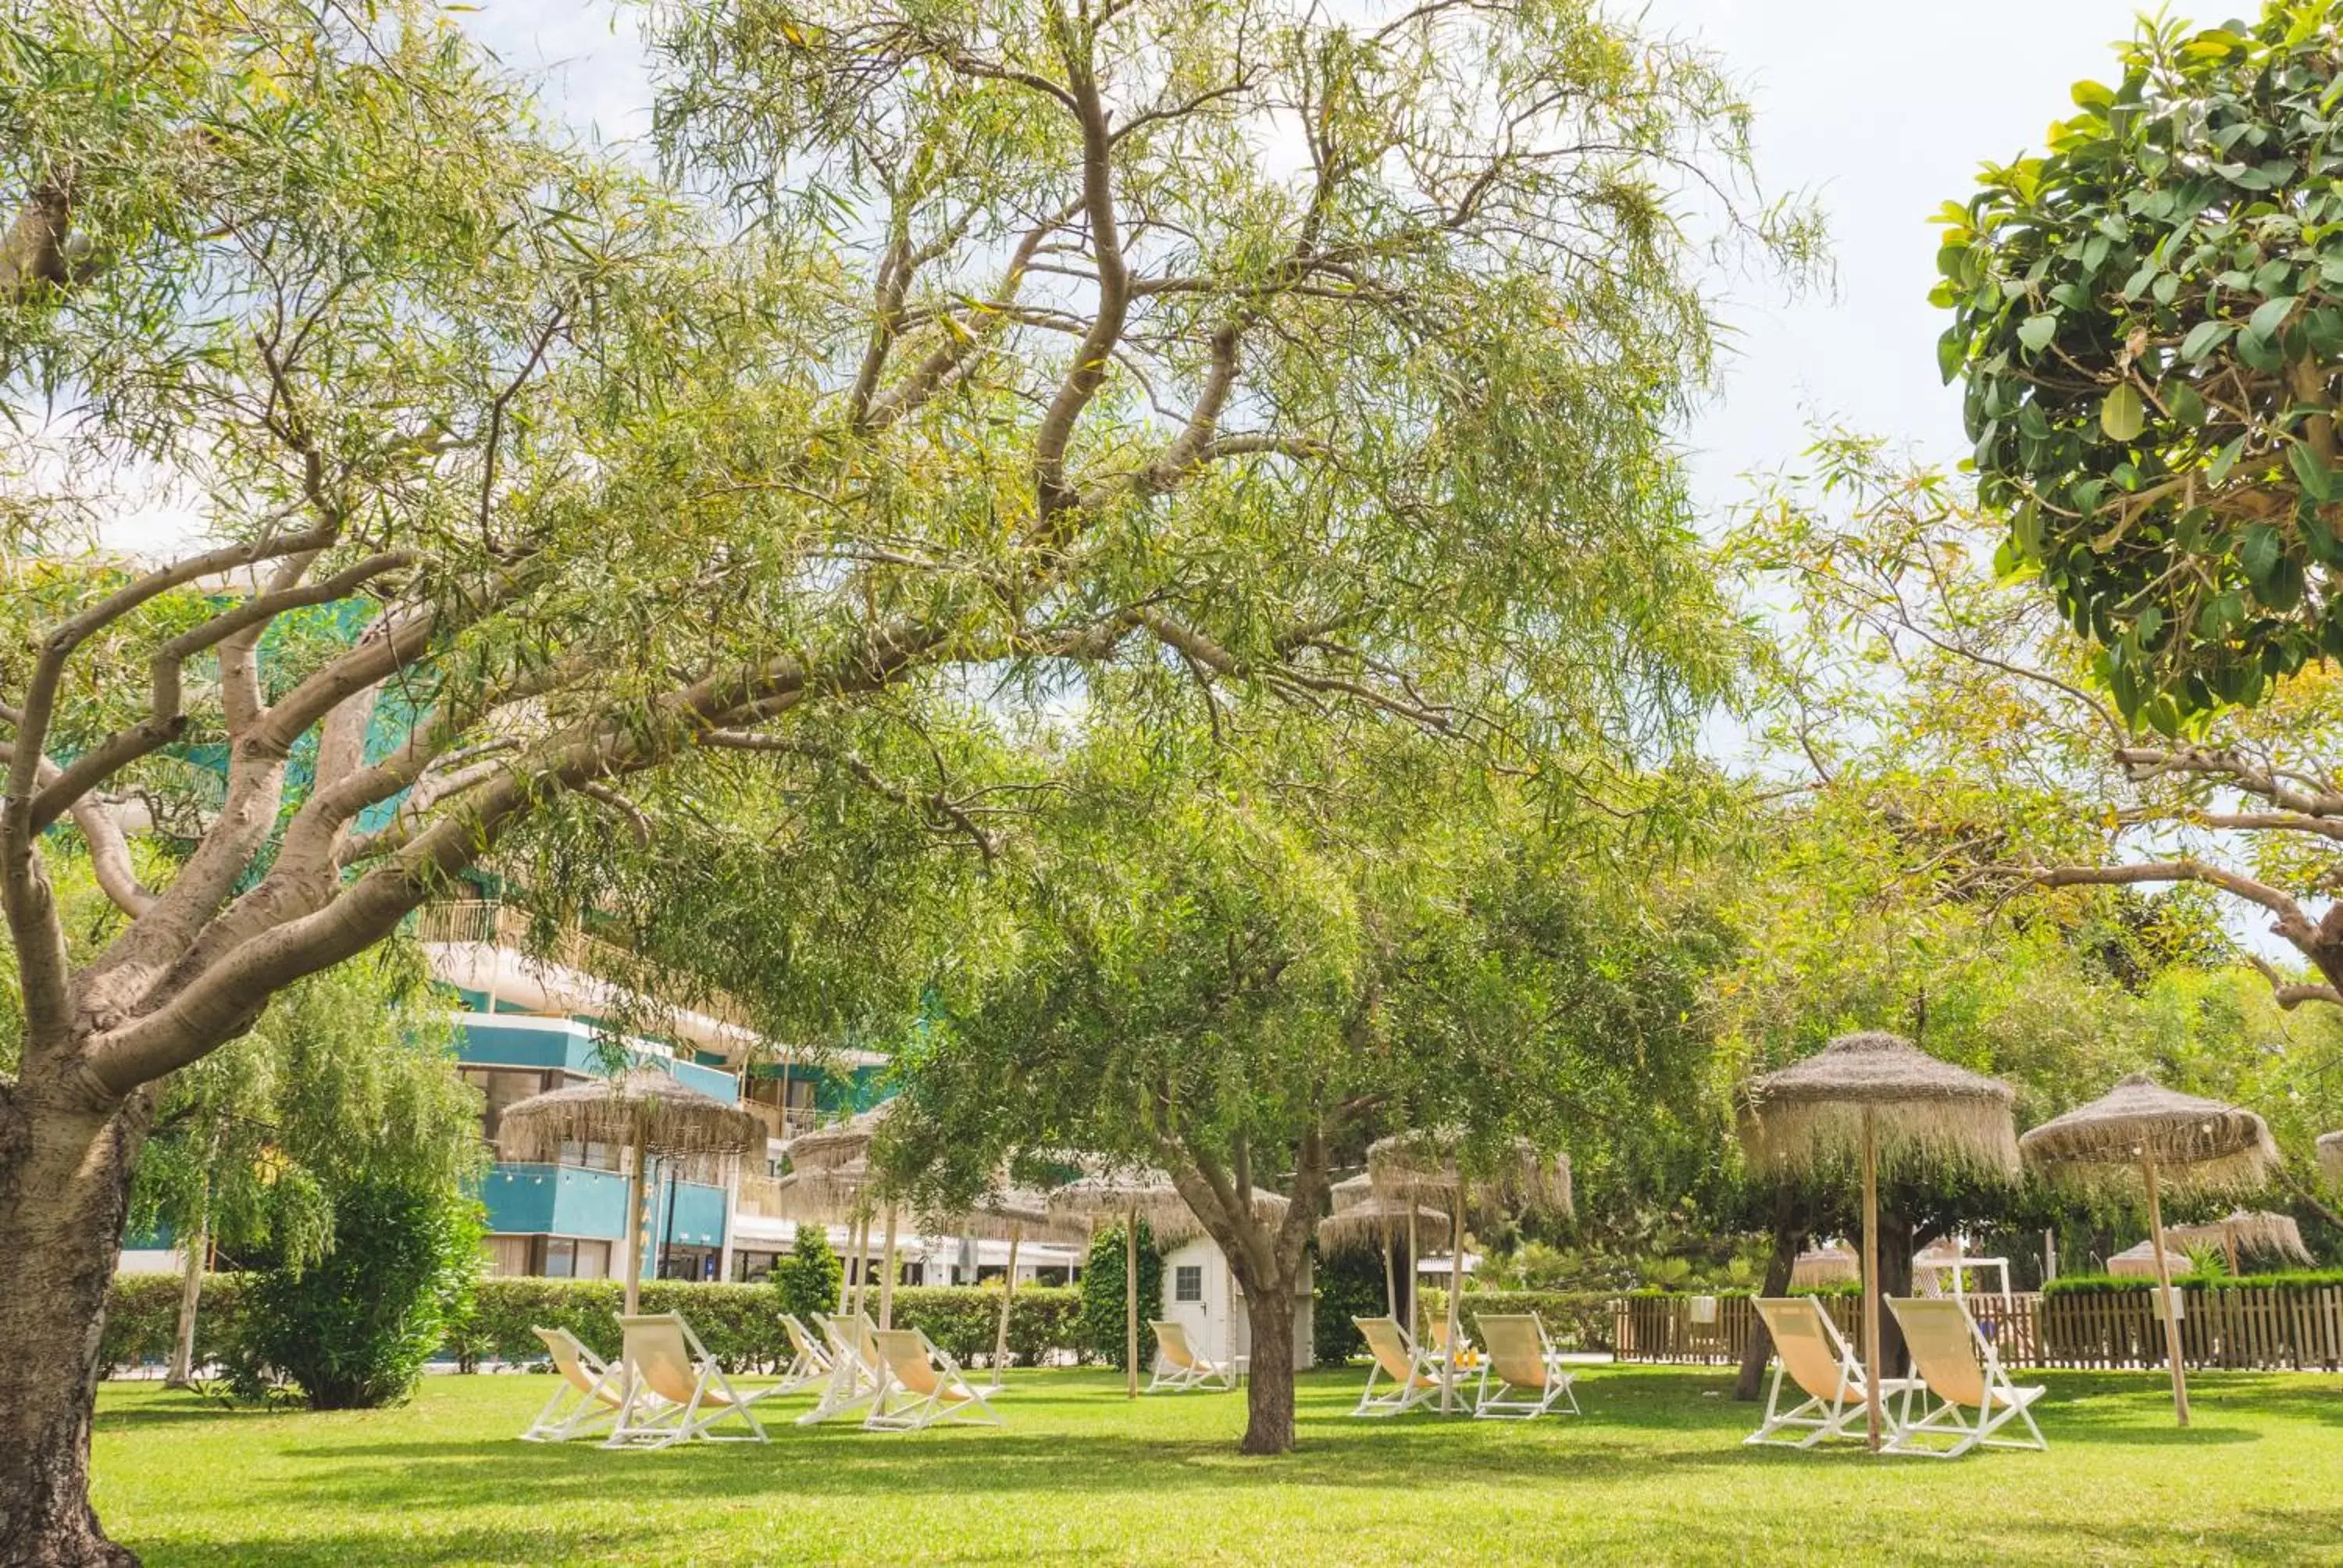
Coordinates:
<point>1455,1304</point>
<point>1414,1272</point>
<point>634,1198</point>
<point>1391,1278</point>
<point>887,1275</point>
<point>1007,1291</point>
<point>1130,1303</point>
<point>1870,1281</point>
<point>2164,1291</point>
<point>861,1262</point>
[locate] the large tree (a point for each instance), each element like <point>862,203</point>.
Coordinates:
<point>1240,959</point>
<point>1335,359</point>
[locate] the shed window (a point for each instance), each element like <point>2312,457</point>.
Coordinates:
<point>1188,1283</point>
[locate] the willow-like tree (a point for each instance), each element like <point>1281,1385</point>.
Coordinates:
<point>1240,959</point>
<point>1332,358</point>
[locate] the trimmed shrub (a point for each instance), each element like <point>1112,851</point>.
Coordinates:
<point>2118,1285</point>
<point>1103,1314</point>
<point>1349,1285</point>
<point>807,1279</point>
<point>141,1318</point>
<point>353,1330</point>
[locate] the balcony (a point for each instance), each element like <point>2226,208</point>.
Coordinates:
<point>780,1123</point>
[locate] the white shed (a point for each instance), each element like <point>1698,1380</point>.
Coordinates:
<point>1200,1292</point>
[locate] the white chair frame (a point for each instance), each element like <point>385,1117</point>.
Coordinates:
<point>853,1382</point>
<point>1522,1401</point>
<point>2001,1401</point>
<point>660,1422</point>
<point>576,1410</point>
<point>1817,1417</point>
<point>949,1397</point>
<point>1179,1367</point>
<point>1420,1385</point>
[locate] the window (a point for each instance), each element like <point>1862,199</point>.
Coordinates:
<point>502,1087</point>
<point>566,1259</point>
<point>1188,1283</point>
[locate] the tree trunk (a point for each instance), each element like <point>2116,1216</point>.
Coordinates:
<point>1269,1380</point>
<point>1895,1248</point>
<point>64,1194</point>
<point>1788,1237</point>
<point>191,1292</point>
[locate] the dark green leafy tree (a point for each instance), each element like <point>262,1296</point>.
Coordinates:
<point>2148,316</point>
<point>348,1078</point>
<point>1013,352</point>
<point>1104,1314</point>
<point>353,1330</point>
<point>807,1278</point>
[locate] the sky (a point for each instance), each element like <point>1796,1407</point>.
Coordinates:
<point>1880,110</point>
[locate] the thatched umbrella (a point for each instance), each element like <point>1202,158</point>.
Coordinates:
<point>1430,1166</point>
<point>1131,1193</point>
<point>2141,1263</point>
<point>2195,1144</point>
<point>650,1113</point>
<point>1011,1216</point>
<point>1830,1265</point>
<point>2246,1231</point>
<point>1878,1100</point>
<point>2330,1156</point>
<point>1361,1220</point>
<point>832,1181</point>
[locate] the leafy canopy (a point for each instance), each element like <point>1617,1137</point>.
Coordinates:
<point>2148,316</point>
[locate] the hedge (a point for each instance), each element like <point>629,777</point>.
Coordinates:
<point>2117,1285</point>
<point>739,1325</point>
<point>1574,1319</point>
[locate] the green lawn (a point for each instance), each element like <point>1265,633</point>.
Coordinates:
<point>1654,1470</point>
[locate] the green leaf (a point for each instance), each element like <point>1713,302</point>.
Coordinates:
<point>2317,478</point>
<point>2038,330</point>
<point>2122,414</point>
<point>2204,337</point>
<point>2226,459</point>
<point>2269,317</point>
<point>2258,551</point>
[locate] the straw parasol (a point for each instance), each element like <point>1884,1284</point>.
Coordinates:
<point>831,1181</point>
<point>1011,1216</point>
<point>1435,1165</point>
<point>1830,1265</point>
<point>2244,1231</point>
<point>1877,1100</point>
<point>2192,1143</point>
<point>2330,1156</point>
<point>1361,1220</point>
<point>1131,1193</point>
<point>644,1109</point>
<point>2141,1263</point>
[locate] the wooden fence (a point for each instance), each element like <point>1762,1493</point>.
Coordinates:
<point>2251,1327</point>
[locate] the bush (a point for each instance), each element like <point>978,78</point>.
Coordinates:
<point>1349,1285</point>
<point>2118,1285</point>
<point>1103,1314</point>
<point>807,1279</point>
<point>352,1331</point>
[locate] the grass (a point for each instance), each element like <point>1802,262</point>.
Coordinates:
<point>1653,1472</point>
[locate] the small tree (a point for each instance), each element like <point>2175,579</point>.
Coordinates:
<point>1105,1314</point>
<point>353,1331</point>
<point>807,1276</point>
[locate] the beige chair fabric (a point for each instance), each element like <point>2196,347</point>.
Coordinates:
<point>588,1397</point>
<point>925,1386</point>
<point>1530,1374</point>
<point>1180,1366</point>
<point>1412,1373</point>
<point>1972,1397</point>
<point>663,1358</point>
<point>1810,1351</point>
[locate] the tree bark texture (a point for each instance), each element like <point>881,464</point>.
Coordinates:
<point>1749,1382</point>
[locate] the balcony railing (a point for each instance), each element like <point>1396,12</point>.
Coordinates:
<point>498,925</point>
<point>782,1123</point>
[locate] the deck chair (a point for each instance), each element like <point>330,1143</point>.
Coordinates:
<point>662,1356</point>
<point>856,1375</point>
<point>1178,1366</point>
<point>1529,1372</point>
<point>1809,1351</point>
<point>589,1395</point>
<point>1412,1373</point>
<point>924,1387</point>
<point>809,1359</point>
<point>1972,1396</point>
